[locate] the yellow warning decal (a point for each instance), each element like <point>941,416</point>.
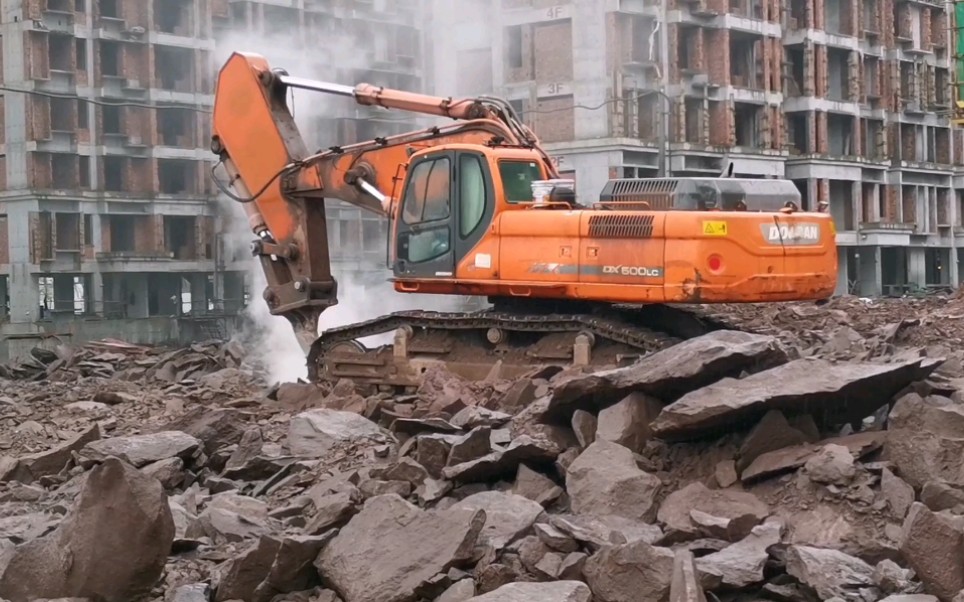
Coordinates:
<point>714,228</point>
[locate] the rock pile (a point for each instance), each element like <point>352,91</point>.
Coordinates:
<point>735,467</point>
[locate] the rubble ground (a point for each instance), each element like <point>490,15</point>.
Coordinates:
<point>811,453</point>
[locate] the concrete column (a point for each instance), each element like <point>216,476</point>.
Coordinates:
<point>590,83</point>
<point>3,297</point>
<point>916,266</point>
<point>96,292</point>
<point>843,278</point>
<point>199,294</point>
<point>135,293</point>
<point>63,292</point>
<point>869,282</point>
<point>233,291</point>
<point>953,275</point>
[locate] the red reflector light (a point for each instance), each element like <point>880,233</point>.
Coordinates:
<point>715,263</point>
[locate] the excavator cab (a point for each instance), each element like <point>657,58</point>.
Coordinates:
<point>448,200</point>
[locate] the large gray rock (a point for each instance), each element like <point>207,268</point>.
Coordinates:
<point>630,572</point>
<point>141,450</point>
<point>831,573</point>
<point>627,422</point>
<point>507,515</point>
<point>737,512</point>
<point>214,427</point>
<point>813,385</point>
<point>311,434</point>
<point>503,462</point>
<point>599,531</point>
<point>933,545</point>
<point>391,548</point>
<point>741,564</point>
<point>938,496</point>
<point>230,517</point>
<point>535,486</point>
<point>897,492</point>
<point>555,591</point>
<point>926,441</point>
<point>604,479</point>
<point>833,465</point>
<point>112,546</point>
<point>669,373</point>
<point>271,567</point>
<point>773,432</point>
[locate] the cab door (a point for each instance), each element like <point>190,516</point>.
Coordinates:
<point>425,241</point>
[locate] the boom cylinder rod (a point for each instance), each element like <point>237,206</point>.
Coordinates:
<point>369,95</point>
<point>310,84</point>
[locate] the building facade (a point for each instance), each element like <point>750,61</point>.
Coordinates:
<point>108,221</point>
<point>850,99</point>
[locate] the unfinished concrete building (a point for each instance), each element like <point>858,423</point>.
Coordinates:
<point>847,98</point>
<point>108,220</point>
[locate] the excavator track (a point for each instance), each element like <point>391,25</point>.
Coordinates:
<point>502,343</point>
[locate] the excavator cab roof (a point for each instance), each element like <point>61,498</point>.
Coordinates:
<point>700,194</point>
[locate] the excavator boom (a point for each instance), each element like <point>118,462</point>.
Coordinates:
<point>476,207</point>
<point>282,186</point>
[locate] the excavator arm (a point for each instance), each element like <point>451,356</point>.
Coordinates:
<point>282,186</point>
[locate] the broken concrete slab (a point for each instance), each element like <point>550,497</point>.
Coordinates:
<point>605,479</point>
<point>630,572</point>
<point>790,458</point>
<point>933,545</point>
<point>740,512</point>
<point>812,385</point>
<point>507,515</point>
<point>391,548</point>
<point>831,573</point>
<point>141,450</point>
<point>555,591</point>
<point>670,373</point>
<point>311,434</point>
<point>115,541</point>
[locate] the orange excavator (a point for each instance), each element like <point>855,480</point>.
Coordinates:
<point>476,207</point>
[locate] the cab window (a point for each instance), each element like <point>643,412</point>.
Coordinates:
<point>517,178</point>
<point>427,196</point>
<point>472,194</point>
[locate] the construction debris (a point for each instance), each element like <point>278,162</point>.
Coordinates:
<point>816,457</point>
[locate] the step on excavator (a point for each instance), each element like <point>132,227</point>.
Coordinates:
<point>476,207</point>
